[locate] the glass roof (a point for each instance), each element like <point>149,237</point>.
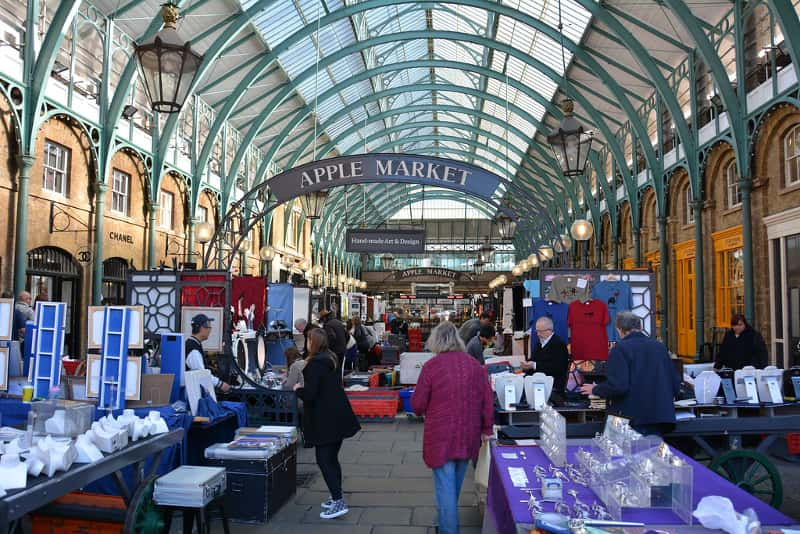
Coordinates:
<point>438,209</point>
<point>461,87</point>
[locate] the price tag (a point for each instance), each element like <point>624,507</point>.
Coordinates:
<point>539,398</point>
<point>581,283</point>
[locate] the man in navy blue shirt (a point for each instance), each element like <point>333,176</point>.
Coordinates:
<point>642,382</point>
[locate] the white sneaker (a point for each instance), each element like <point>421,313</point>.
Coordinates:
<point>338,509</point>
<point>327,505</point>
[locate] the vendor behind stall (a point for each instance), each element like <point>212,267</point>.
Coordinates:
<point>742,346</point>
<point>550,355</point>
<point>642,382</point>
<point>193,348</point>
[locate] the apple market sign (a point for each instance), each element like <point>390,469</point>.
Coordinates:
<point>389,168</point>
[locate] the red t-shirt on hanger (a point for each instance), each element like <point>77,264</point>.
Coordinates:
<point>587,325</point>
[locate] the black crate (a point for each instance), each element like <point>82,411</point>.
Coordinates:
<point>258,488</point>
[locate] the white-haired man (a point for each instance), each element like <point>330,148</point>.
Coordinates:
<point>549,355</point>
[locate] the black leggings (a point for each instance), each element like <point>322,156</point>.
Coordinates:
<point>328,462</point>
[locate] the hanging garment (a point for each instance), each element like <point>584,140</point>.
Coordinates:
<point>566,289</point>
<point>617,296</point>
<point>587,321</point>
<point>555,311</point>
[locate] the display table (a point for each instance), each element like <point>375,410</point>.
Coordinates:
<point>42,490</point>
<point>507,510</point>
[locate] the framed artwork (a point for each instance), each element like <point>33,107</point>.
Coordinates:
<point>214,341</point>
<point>3,368</point>
<point>133,378</point>
<point>95,327</point>
<point>6,318</point>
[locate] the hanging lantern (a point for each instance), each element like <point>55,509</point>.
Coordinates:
<point>387,261</point>
<point>517,270</point>
<point>502,279</point>
<point>526,265</point>
<point>581,230</point>
<point>533,259</point>
<point>266,253</point>
<point>313,203</point>
<point>570,143</point>
<point>486,251</point>
<point>546,252</point>
<point>506,225</point>
<point>479,266</point>
<point>167,65</point>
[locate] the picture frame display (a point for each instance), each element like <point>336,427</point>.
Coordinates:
<point>6,319</point>
<point>3,368</point>
<point>95,327</point>
<point>133,378</point>
<point>214,341</point>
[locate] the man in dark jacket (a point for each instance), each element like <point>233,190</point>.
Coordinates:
<point>471,327</point>
<point>337,334</point>
<point>550,355</point>
<point>478,344</point>
<point>642,382</point>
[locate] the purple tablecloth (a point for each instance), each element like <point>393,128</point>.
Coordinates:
<point>507,504</point>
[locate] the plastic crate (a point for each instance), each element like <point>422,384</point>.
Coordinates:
<point>373,406</point>
<point>405,396</point>
<point>793,443</point>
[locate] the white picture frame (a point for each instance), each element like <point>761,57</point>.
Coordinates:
<point>133,377</point>
<point>6,319</point>
<point>3,368</point>
<point>214,341</point>
<point>95,327</point>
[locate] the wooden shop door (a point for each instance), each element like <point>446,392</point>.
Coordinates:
<point>686,304</point>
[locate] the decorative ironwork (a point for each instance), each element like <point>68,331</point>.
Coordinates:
<point>60,220</point>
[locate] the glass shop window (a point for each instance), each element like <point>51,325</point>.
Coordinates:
<point>730,285</point>
<point>202,214</point>
<point>732,182</point>
<point>687,195</point>
<point>56,167</point>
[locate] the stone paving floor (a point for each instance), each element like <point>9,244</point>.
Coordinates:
<point>386,484</point>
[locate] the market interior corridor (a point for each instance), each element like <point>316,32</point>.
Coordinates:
<point>387,486</point>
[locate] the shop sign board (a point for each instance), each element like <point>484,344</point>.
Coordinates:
<point>384,168</point>
<point>431,272</point>
<point>394,241</point>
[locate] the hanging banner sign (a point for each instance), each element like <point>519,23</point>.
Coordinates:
<point>431,272</point>
<point>389,168</point>
<point>394,241</point>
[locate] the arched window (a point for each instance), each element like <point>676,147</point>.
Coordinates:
<point>791,155</point>
<point>689,211</point>
<point>734,195</point>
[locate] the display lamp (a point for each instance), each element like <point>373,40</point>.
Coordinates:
<point>533,259</point>
<point>313,203</point>
<point>203,232</point>
<point>266,253</point>
<point>167,65</point>
<point>363,284</point>
<point>517,270</point>
<point>571,144</point>
<point>546,252</point>
<point>387,260</point>
<point>581,230</point>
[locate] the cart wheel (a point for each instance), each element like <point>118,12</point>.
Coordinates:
<point>753,472</point>
<point>143,516</point>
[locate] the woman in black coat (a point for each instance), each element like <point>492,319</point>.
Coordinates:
<point>328,418</point>
<point>742,346</point>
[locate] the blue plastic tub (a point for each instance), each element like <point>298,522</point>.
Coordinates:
<point>405,395</point>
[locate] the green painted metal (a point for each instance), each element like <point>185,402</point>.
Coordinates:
<point>790,27</point>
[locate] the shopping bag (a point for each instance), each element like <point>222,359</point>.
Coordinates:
<point>482,466</point>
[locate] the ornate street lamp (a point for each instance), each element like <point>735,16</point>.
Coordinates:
<point>167,65</point>
<point>313,203</point>
<point>387,261</point>
<point>267,254</point>
<point>571,144</point>
<point>203,232</point>
<point>486,251</point>
<point>582,230</point>
<point>546,252</point>
<point>517,270</point>
<point>479,266</point>
<point>506,225</point>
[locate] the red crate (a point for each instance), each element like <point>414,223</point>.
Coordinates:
<point>793,443</point>
<point>374,405</point>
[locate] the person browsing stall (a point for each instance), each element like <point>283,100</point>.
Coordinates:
<point>642,382</point>
<point>742,346</point>
<point>193,348</point>
<point>549,356</point>
<point>478,344</point>
<point>471,327</point>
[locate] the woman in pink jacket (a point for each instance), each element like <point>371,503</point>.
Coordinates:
<point>453,394</point>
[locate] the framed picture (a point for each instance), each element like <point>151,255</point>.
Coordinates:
<point>3,368</point>
<point>95,327</point>
<point>6,318</point>
<point>133,377</point>
<point>214,341</point>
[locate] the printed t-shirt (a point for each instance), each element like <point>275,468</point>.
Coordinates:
<point>617,297</point>
<point>567,289</point>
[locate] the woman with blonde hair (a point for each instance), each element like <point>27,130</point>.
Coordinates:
<point>453,394</point>
<point>328,418</point>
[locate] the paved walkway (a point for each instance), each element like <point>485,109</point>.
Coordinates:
<point>386,484</point>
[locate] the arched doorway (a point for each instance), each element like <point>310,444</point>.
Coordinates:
<point>54,275</point>
<point>115,275</point>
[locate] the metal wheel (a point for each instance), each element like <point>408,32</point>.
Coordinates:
<point>143,516</point>
<point>753,472</point>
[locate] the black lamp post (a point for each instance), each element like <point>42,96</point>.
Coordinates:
<point>167,65</point>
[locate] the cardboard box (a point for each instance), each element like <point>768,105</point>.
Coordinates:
<point>155,391</point>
